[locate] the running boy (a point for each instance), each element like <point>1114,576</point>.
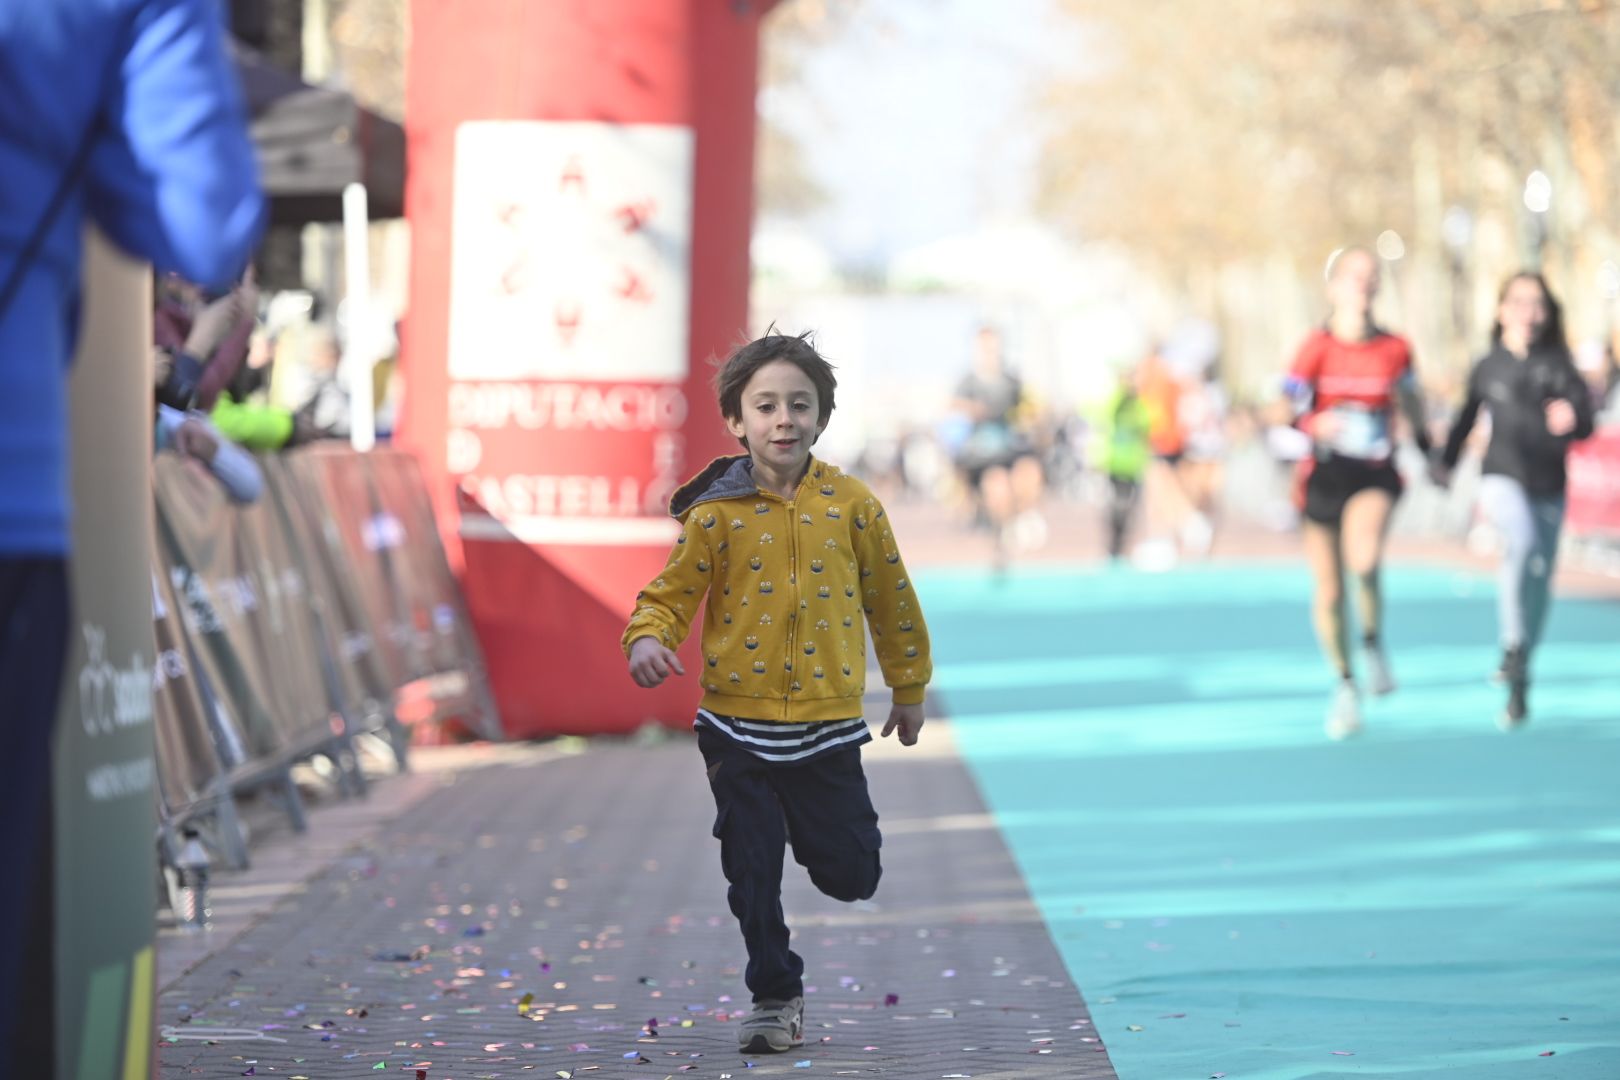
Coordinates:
<point>791,553</point>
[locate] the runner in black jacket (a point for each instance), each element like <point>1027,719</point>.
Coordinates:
<point>1539,405</point>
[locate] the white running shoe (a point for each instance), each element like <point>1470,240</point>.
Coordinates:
<point>1154,556</point>
<point>1380,680</point>
<point>1344,715</point>
<point>1198,535</point>
<point>1030,531</point>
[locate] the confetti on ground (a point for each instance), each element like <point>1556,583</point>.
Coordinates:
<point>348,984</point>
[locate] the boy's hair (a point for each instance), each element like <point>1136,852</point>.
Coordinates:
<point>797,349</point>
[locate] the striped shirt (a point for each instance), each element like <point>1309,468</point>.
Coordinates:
<point>787,743</point>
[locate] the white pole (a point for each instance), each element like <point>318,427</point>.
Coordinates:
<point>359,354</point>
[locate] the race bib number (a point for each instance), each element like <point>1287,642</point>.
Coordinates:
<point>1359,433</point>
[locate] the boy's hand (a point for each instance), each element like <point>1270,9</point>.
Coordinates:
<point>651,663</point>
<point>908,720</point>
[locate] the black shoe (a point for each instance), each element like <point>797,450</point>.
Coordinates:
<point>1515,665</point>
<point>1518,706</point>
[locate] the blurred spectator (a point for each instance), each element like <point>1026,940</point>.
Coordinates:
<point>1121,429</point>
<point>1204,410</point>
<point>200,343</point>
<point>198,346</point>
<point>192,435</point>
<point>999,458</point>
<point>924,464</point>
<point>1168,508</point>
<point>242,415</point>
<point>1066,455</point>
<point>325,408</point>
<point>125,113</point>
<point>388,388</point>
<point>880,465</point>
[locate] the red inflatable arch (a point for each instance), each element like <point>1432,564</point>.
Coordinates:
<point>581,199</point>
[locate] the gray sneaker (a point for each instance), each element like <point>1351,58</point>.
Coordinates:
<point>773,1027</point>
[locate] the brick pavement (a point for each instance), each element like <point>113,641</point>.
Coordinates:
<point>591,883</point>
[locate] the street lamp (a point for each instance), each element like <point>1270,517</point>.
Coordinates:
<point>1537,200</point>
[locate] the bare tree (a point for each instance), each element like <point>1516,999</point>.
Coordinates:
<point>1218,139</point>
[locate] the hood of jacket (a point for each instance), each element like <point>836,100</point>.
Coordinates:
<point>723,478</point>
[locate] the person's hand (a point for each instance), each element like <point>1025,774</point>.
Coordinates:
<point>907,720</point>
<point>162,367</point>
<point>1560,417</point>
<point>1325,426</point>
<point>651,663</point>
<point>194,439</point>
<point>215,321</point>
<point>247,295</point>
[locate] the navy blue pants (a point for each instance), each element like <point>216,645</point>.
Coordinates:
<point>33,644</point>
<point>823,808</point>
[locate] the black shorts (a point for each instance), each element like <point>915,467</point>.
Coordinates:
<point>1334,480</point>
<point>974,466</point>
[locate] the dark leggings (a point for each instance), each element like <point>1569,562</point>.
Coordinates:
<point>1122,497</point>
<point>822,807</point>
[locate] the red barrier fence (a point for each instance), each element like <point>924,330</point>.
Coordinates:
<point>1594,486</point>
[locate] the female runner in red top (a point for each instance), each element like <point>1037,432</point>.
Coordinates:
<point>1345,384</point>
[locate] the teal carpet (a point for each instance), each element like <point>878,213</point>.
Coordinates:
<point>1236,895</point>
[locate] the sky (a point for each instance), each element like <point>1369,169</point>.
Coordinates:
<point>917,119</point>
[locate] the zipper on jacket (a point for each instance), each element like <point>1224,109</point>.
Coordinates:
<point>793,611</point>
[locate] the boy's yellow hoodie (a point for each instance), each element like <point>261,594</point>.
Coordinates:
<point>787,582</point>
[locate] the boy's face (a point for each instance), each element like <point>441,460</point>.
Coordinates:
<point>780,416</point>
